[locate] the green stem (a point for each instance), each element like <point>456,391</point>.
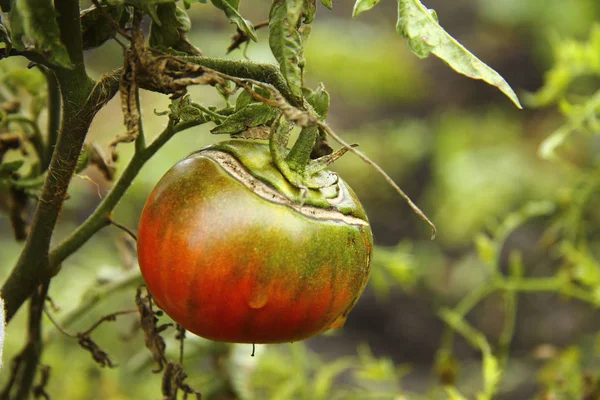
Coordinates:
<point>98,219</point>
<point>299,155</point>
<point>267,73</point>
<point>54,112</point>
<point>82,99</point>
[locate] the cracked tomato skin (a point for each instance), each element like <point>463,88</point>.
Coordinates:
<point>232,262</point>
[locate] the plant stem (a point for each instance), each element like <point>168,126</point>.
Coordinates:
<point>54,111</point>
<point>299,155</point>
<point>267,73</point>
<point>33,349</point>
<point>99,218</point>
<point>81,99</point>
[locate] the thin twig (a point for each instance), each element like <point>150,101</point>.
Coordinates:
<point>122,227</point>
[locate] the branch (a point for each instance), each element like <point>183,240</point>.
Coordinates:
<point>82,99</point>
<point>26,362</point>
<point>54,112</point>
<point>101,216</point>
<point>266,73</point>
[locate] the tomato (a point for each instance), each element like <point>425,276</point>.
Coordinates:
<point>233,252</point>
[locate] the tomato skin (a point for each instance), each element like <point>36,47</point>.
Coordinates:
<point>229,265</point>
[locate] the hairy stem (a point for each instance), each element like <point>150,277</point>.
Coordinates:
<point>81,100</point>
<point>54,112</point>
<point>267,73</point>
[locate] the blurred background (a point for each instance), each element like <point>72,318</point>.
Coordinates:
<point>485,172</point>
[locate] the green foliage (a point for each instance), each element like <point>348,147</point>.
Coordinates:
<point>35,21</point>
<point>363,5</point>
<point>171,32</point>
<point>420,27</point>
<point>230,8</point>
<point>286,40</point>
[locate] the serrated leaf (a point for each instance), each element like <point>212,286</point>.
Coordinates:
<point>319,99</point>
<point>253,115</point>
<point>243,99</point>
<point>171,31</point>
<point>425,36</point>
<point>363,5</point>
<point>38,19</point>
<point>286,42</point>
<point>230,7</point>
<point>327,3</point>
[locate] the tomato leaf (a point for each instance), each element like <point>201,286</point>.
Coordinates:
<point>36,20</point>
<point>363,5</point>
<point>251,116</point>
<point>96,27</point>
<point>327,3</point>
<point>172,30</point>
<point>420,27</point>
<point>319,99</point>
<point>230,7</point>
<point>286,42</point>
<point>188,3</point>
<point>5,36</point>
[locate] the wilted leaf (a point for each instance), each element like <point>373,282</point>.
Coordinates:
<point>363,5</point>
<point>230,7</point>
<point>286,42</point>
<point>253,115</point>
<point>420,27</point>
<point>38,20</point>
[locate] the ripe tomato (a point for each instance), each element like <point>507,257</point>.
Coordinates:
<point>234,253</point>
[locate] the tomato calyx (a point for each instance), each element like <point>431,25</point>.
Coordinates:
<point>251,164</point>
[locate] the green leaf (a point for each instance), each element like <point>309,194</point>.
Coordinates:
<point>319,99</point>
<point>97,28</point>
<point>309,10</point>
<point>5,37</point>
<point>363,5</point>
<point>252,115</point>
<point>327,3</point>
<point>425,36</point>
<point>286,42</point>
<point>230,7</point>
<point>171,30</point>
<point>38,21</point>
<point>188,3</point>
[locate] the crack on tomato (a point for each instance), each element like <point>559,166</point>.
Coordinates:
<point>235,169</point>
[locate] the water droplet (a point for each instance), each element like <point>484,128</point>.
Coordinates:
<point>258,299</point>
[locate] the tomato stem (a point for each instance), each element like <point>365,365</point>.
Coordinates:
<point>299,156</point>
